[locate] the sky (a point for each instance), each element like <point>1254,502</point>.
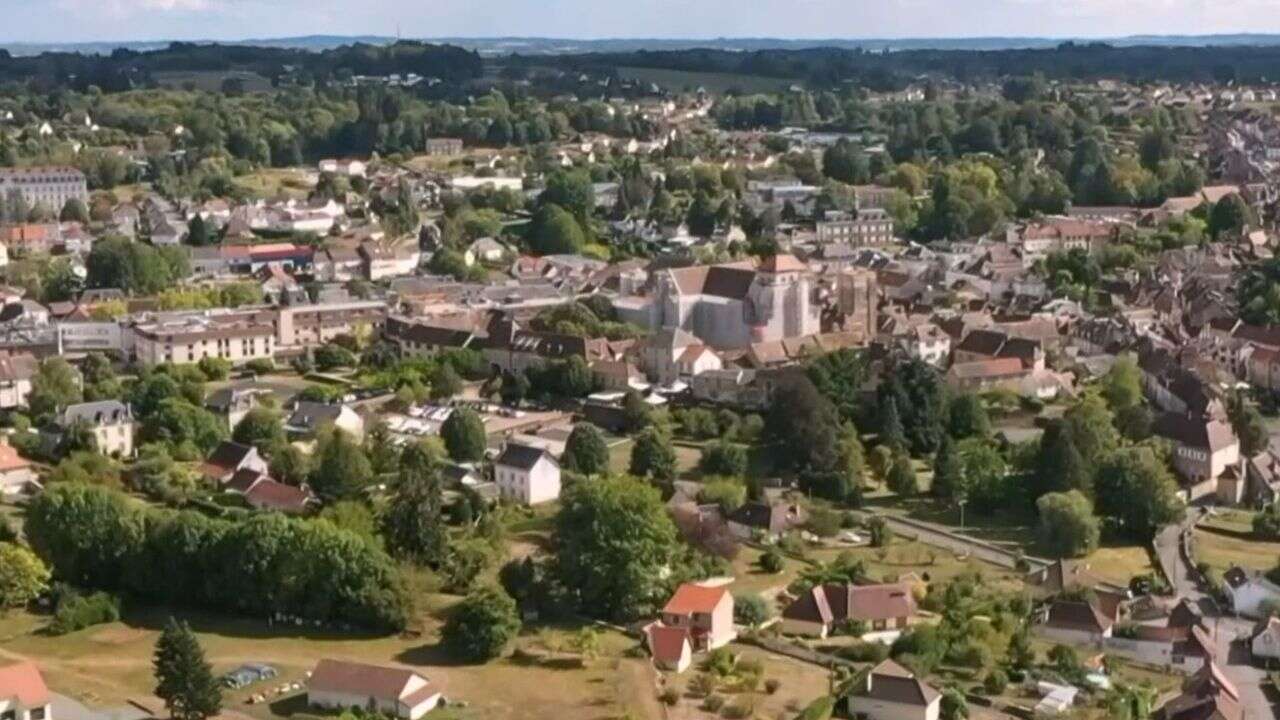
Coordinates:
<point>105,20</point>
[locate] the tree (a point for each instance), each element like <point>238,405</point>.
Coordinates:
<point>445,383</point>
<point>968,417</point>
<point>749,609</point>
<point>413,523</point>
<point>74,210</point>
<point>948,473</point>
<point>585,451</point>
<point>571,191</point>
<point>1020,653</point>
<point>1136,488</point>
<point>1248,425</point>
<point>652,456</point>
<point>341,468</point>
<point>805,428</point>
<point>1122,385</point>
<point>55,386</point>
<point>723,458</point>
<point>1059,465</point>
<point>184,679</point>
<point>480,627</point>
<point>556,232</point>
<point>1068,527</point>
<point>178,422</point>
<point>616,547</point>
<point>198,232</point>
<point>636,412</point>
<point>1230,215</point>
<point>728,493</point>
<point>464,436</point>
<point>261,427</point>
<point>23,576</point>
<point>902,477</point>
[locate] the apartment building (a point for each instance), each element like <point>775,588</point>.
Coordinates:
<point>192,339</point>
<point>48,185</point>
<point>318,324</point>
<point>872,226</point>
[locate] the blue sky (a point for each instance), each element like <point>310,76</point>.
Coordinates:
<point>83,20</point>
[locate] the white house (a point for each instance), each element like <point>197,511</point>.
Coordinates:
<point>350,168</point>
<point>339,685</point>
<point>23,694</point>
<point>527,475</point>
<point>1266,643</point>
<point>1247,592</point>
<point>111,422</point>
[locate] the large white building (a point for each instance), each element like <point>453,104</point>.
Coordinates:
<point>50,186</point>
<point>527,475</point>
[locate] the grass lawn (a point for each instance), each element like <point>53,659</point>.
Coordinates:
<point>106,665</point>
<point>800,683</point>
<point>271,182</point>
<point>1221,551</point>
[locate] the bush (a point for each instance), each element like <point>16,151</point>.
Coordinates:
<point>995,682</point>
<point>865,652</point>
<point>261,366</point>
<point>820,709</point>
<point>771,562</point>
<point>737,711</point>
<point>713,703</point>
<point>771,685</point>
<point>824,523</point>
<point>77,612</point>
<point>669,696</point>
<point>214,368</point>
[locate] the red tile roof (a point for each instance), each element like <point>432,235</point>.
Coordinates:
<point>667,644</point>
<point>22,682</point>
<point>690,598</point>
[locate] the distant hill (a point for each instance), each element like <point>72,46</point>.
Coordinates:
<point>568,46</point>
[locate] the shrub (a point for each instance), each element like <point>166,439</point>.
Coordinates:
<point>737,711</point>
<point>669,696</point>
<point>713,703</point>
<point>261,366</point>
<point>771,562</point>
<point>771,685</point>
<point>76,612</point>
<point>820,709</point>
<point>865,652</point>
<point>995,682</point>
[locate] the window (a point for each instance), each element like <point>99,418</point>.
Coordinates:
<point>37,713</point>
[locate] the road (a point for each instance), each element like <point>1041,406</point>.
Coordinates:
<point>1232,633</point>
<point>943,537</point>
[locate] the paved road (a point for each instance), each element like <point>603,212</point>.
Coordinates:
<point>944,537</point>
<point>1232,633</point>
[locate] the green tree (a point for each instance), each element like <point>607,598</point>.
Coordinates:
<point>728,493</point>
<point>1122,385</point>
<point>1068,527</point>
<point>902,477</point>
<point>571,191</point>
<point>1248,425</point>
<point>480,627</point>
<point>55,386</point>
<point>585,451</point>
<point>1230,216</point>
<point>464,436</point>
<point>341,469</point>
<point>23,576</point>
<point>749,609</point>
<point>723,458</point>
<point>948,473</point>
<point>616,547</point>
<point>968,417</point>
<point>261,427</point>
<point>1059,465</point>
<point>413,523</point>
<point>1136,488</point>
<point>954,706</point>
<point>74,210</point>
<point>556,232</point>
<point>445,383</point>
<point>184,679</point>
<point>198,232</point>
<point>652,456</point>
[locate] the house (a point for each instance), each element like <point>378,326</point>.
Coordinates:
<point>1248,592</point>
<point>341,685</point>
<point>1075,622</point>
<point>309,417</point>
<point>1204,448</point>
<point>17,475</point>
<point>1265,643</point>
<point>527,475</point>
<point>232,404</point>
<point>260,492</point>
<point>893,692</point>
<point>487,249</point>
<point>1207,695</point>
<point>23,694</point>
<point>228,458</point>
<point>697,618</point>
<point>768,520</point>
<point>670,647</point>
<point>16,372</point>
<point>111,422</point>
<point>816,613</point>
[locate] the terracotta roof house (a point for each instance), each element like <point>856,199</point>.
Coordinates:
<point>697,618</point>
<point>818,611</point>
<point>669,646</point>
<point>263,493</point>
<point>23,694</point>
<point>400,693</point>
<point>17,475</point>
<point>1206,695</point>
<point>892,691</point>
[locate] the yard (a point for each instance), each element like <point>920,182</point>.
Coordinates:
<point>798,683</point>
<point>1225,539</point>
<point>274,182</point>
<point>106,665</point>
